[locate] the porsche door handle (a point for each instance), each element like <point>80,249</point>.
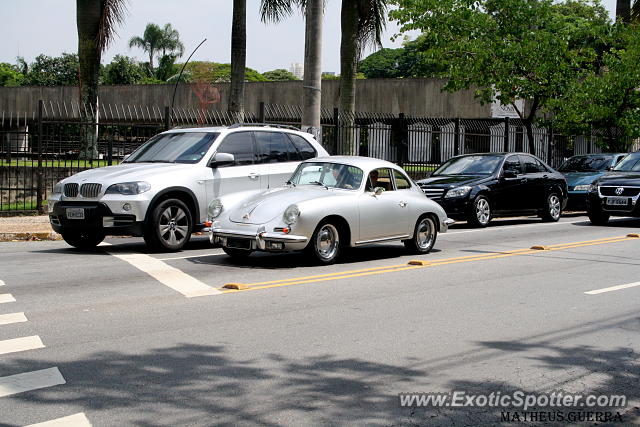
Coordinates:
<point>254,176</point>
<point>402,204</point>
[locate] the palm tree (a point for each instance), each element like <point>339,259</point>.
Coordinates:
<point>238,59</point>
<point>150,42</point>
<point>171,43</point>
<point>96,21</point>
<point>623,10</point>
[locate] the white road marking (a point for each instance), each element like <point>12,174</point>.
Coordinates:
<point>169,276</point>
<point>75,420</point>
<point>613,288</point>
<point>191,256</point>
<point>2,283</point>
<point>28,381</point>
<point>6,298</point>
<point>7,319</point>
<point>20,344</point>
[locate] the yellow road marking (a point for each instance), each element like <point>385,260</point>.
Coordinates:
<point>403,267</point>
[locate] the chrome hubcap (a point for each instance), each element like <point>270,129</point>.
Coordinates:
<point>327,242</point>
<point>483,211</point>
<point>554,206</point>
<point>424,233</point>
<point>174,225</point>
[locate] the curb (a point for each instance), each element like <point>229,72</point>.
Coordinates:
<point>14,237</point>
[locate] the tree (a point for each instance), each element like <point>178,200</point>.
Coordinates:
<point>238,58</point>
<point>606,98</point>
<point>158,42</point>
<point>279,75</point>
<point>96,21</point>
<point>9,75</point>
<point>362,22</point>
<point>508,49</point>
<point>383,64</point>
<point>123,70</point>
<point>53,71</point>
<point>407,61</point>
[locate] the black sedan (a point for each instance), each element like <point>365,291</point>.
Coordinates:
<point>479,187</point>
<point>616,193</point>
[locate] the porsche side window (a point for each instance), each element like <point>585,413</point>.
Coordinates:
<point>380,178</point>
<point>402,182</point>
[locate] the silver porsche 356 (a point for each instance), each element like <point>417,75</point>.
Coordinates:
<point>328,204</point>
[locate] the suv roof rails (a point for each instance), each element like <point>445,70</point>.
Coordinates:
<point>267,125</point>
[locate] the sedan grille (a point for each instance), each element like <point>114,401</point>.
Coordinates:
<point>71,190</point>
<point>90,190</point>
<point>626,192</point>
<point>433,193</point>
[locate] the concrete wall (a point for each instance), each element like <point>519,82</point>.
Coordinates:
<point>422,97</point>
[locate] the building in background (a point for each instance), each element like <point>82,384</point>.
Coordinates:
<point>297,70</point>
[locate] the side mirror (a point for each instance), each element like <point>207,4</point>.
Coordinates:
<point>221,159</point>
<point>509,174</point>
<point>378,191</point>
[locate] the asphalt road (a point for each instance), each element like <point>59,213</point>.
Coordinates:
<point>121,337</point>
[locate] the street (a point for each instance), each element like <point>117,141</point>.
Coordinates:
<point>119,336</point>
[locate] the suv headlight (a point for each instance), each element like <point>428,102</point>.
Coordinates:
<point>57,189</point>
<point>215,208</point>
<point>585,187</point>
<point>458,192</point>
<point>129,188</point>
<point>291,215</point>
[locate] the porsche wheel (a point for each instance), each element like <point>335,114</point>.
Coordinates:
<point>324,246</point>
<point>424,236</point>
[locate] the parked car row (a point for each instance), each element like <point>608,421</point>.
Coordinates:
<point>271,188</point>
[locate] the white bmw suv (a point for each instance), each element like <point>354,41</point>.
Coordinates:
<point>163,189</point>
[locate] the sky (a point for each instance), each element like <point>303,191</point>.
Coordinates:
<point>32,27</point>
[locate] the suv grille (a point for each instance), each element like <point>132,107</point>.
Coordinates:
<point>433,193</point>
<point>611,191</point>
<point>71,190</point>
<point>90,190</point>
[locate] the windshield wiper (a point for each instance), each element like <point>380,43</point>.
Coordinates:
<point>319,183</point>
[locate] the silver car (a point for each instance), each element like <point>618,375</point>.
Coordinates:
<point>328,204</point>
<point>162,190</point>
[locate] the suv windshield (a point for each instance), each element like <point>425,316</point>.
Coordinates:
<point>631,163</point>
<point>185,147</point>
<point>330,175</point>
<point>586,164</point>
<point>470,165</point>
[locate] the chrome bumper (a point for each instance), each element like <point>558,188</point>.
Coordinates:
<point>445,225</point>
<point>260,238</point>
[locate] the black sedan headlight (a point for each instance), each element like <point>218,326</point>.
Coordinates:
<point>458,192</point>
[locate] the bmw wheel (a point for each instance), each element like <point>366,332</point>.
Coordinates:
<point>324,246</point>
<point>480,212</point>
<point>552,209</point>
<point>424,236</point>
<point>170,226</point>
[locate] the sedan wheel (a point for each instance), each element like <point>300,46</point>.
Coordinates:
<point>325,244</point>
<point>424,236</point>
<point>553,209</point>
<point>480,213</point>
<point>170,226</point>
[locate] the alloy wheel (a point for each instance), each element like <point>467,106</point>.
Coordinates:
<point>483,211</point>
<point>425,233</point>
<point>554,206</point>
<point>327,242</point>
<point>173,225</point>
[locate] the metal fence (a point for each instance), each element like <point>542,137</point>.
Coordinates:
<point>37,149</point>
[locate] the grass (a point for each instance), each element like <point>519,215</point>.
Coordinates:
<point>57,163</point>
<point>419,168</point>
<point>28,205</point>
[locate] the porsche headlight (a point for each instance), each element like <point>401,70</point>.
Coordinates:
<point>57,189</point>
<point>581,187</point>
<point>128,188</point>
<point>291,215</point>
<point>458,192</point>
<point>215,208</point>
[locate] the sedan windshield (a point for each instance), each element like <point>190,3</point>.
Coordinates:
<point>586,164</point>
<point>470,165</point>
<point>329,175</point>
<point>631,163</point>
<point>186,147</point>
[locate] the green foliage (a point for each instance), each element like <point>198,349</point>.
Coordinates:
<point>607,98</point>
<point>404,62</point>
<point>382,64</point>
<point>510,48</point>
<point>167,68</point>
<point>279,75</point>
<point>123,70</point>
<point>213,72</point>
<point>53,71</point>
<point>9,75</point>
<point>326,76</point>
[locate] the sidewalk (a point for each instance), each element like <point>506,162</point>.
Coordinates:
<point>26,228</point>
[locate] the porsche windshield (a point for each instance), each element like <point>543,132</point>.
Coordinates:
<point>329,175</point>
<point>470,165</point>
<point>631,163</point>
<point>178,147</point>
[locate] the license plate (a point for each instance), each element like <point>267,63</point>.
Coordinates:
<point>75,213</point>
<point>239,243</point>
<point>617,201</point>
